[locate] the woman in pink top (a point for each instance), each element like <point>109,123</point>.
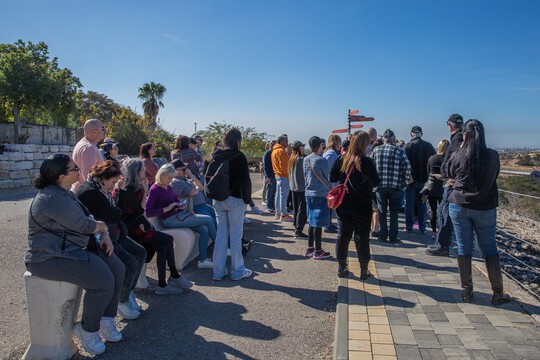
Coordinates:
<point>147,152</point>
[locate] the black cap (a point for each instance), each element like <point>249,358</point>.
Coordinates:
<point>314,142</point>
<point>388,134</point>
<point>456,119</point>
<point>192,141</point>
<point>178,164</point>
<point>416,129</point>
<point>346,144</point>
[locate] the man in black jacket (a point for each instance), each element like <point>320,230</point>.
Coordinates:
<point>444,236</point>
<point>418,151</point>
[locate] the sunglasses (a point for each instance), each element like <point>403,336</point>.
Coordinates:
<point>75,168</point>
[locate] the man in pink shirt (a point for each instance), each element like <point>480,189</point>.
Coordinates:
<point>86,154</point>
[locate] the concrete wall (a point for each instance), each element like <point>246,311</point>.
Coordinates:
<point>38,134</point>
<point>19,163</point>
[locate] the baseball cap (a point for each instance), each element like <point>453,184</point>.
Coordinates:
<point>178,164</point>
<point>388,133</point>
<point>192,141</point>
<point>109,140</point>
<point>314,142</point>
<point>456,119</point>
<point>296,144</point>
<point>416,129</point>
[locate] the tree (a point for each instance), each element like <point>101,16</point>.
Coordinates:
<point>28,78</point>
<point>94,105</point>
<point>151,94</point>
<point>253,142</point>
<point>126,128</point>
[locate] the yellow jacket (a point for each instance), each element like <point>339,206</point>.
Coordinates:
<point>280,161</point>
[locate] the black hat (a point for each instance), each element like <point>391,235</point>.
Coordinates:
<point>178,164</point>
<point>416,129</point>
<point>314,142</point>
<point>456,119</point>
<point>296,144</point>
<point>388,134</point>
<point>192,141</point>
<point>346,144</point>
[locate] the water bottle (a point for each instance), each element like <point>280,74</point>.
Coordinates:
<point>97,235</point>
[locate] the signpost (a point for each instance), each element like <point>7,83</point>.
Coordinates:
<point>353,117</point>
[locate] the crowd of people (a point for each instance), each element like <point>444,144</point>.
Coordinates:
<point>98,234</point>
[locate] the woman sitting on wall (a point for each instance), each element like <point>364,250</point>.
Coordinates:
<point>62,247</point>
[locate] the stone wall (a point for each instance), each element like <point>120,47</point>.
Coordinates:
<point>39,134</point>
<point>19,163</point>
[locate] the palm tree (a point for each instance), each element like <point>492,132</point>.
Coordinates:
<point>152,93</point>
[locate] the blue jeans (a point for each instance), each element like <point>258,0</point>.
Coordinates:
<point>230,219</point>
<point>480,222</point>
<point>201,224</point>
<point>271,194</point>
<point>205,209</point>
<point>415,198</point>
<point>388,197</point>
<point>282,192</point>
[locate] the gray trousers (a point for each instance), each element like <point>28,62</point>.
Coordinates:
<point>133,256</point>
<point>101,278</point>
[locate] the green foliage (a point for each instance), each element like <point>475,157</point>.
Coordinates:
<point>29,79</point>
<point>126,128</point>
<point>93,105</point>
<point>163,142</point>
<point>151,95</point>
<point>253,142</point>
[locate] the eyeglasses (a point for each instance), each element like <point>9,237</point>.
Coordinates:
<point>75,168</point>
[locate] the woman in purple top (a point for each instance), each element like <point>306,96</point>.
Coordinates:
<point>162,202</point>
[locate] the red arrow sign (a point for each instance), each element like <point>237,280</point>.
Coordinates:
<point>360,118</point>
<point>357,126</point>
<point>340,131</point>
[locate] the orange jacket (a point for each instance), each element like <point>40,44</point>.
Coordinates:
<point>280,161</point>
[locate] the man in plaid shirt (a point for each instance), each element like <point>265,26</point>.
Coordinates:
<point>394,171</point>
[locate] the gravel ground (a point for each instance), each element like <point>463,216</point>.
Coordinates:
<point>520,226</point>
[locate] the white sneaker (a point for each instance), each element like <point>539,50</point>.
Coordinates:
<point>133,301</point>
<point>90,341</point>
<point>257,210</point>
<point>206,264</point>
<point>127,312</point>
<point>180,283</point>
<point>247,273</point>
<point>168,290</point>
<point>108,330</point>
<point>247,220</point>
<point>264,203</point>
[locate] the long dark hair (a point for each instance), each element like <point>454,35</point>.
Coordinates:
<point>50,170</point>
<point>144,152</point>
<point>474,146</point>
<point>232,137</point>
<point>181,143</point>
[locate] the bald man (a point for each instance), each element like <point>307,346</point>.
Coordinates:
<point>86,153</point>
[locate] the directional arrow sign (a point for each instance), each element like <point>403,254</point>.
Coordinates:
<point>360,118</point>
<point>357,126</point>
<point>340,131</point>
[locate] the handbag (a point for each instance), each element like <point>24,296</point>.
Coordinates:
<point>143,234</point>
<point>336,195</point>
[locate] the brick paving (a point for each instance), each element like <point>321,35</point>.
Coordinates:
<point>411,309</point>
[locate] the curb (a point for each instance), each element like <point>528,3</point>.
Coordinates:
<point>341,333</point>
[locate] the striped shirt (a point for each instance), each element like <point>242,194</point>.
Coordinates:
<point>393,166</point>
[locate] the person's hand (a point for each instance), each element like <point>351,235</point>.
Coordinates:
<point>451,182</point>
<point>145,184</point>
<point>106,243</point>
<point>189,174</point>
<point>268,180</point>
<point>120,184</point>
<point>170,206</point>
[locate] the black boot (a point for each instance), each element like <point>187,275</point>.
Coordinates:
<point>493,267</point>
<point>343,269</point>
<point>465,273</point>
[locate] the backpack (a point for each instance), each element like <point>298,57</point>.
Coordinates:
<point>216,184</point>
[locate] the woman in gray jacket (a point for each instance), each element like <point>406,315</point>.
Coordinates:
<point>62,247</point>
<point>298,188</point>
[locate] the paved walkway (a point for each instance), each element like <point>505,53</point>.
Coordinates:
<point>411,309</point>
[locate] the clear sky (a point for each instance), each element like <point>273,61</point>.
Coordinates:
<point>297,66</point>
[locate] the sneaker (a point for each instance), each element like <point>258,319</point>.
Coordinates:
<point>247,220</point>
<point>300,235</point>
<point>320,254</point>
<point>343,270</point>
<point>277,215</point>
<point>330,229</point>
<point>422,231</point>
<point>108,330</point>
<point>90,341</point>
<point>217,278</point>
<point>395,241</point>
<point>309,252</point>
<point>180,283</point>
<point>408,230</point>
<point>133,301</point>
<point>263,203</point>
<point>127,312</point>
<point>168,290</point>
<point>364,274</point>
<point>437,250</point>
<point>287,218</point>
<point>271,211</point>
<point>247,273</point>
<point>434,235</point>
<point>246,246</point>
<point>257,210</point>
<point>206,264</point>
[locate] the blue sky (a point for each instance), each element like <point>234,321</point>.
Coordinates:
<point>296,67</point>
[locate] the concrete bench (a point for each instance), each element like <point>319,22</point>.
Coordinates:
<point>52,309</point>
<point>185,247</point>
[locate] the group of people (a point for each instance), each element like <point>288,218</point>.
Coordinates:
<point>91,221</point>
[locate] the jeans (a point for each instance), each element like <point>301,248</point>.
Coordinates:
<point>133,256</point>
<point>480,222</point>
<point>282,192</point>
<point>205,209</point>
<point>300,211</point>
<point>388,197</point>
<point>271,194</point>
<point>230,219</point>
<point>358,221</point>
<point>415,198</point>
<point>444,222</point>
<point>201,224</point>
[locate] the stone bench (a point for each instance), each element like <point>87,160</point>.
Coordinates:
<point>185,247</point>
<point>52,309</point>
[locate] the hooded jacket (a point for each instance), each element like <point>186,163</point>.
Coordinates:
<point>280,161</point>
<point>239,180</point>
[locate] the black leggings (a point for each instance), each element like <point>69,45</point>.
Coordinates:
<point>315,236</point>
<point>132,256</point>
<point>299,209</point>
<point>359,222</point>
<point>163,245</point>
<point>433,203</point>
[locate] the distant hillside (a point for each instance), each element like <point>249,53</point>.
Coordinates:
<point>520,161</point>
